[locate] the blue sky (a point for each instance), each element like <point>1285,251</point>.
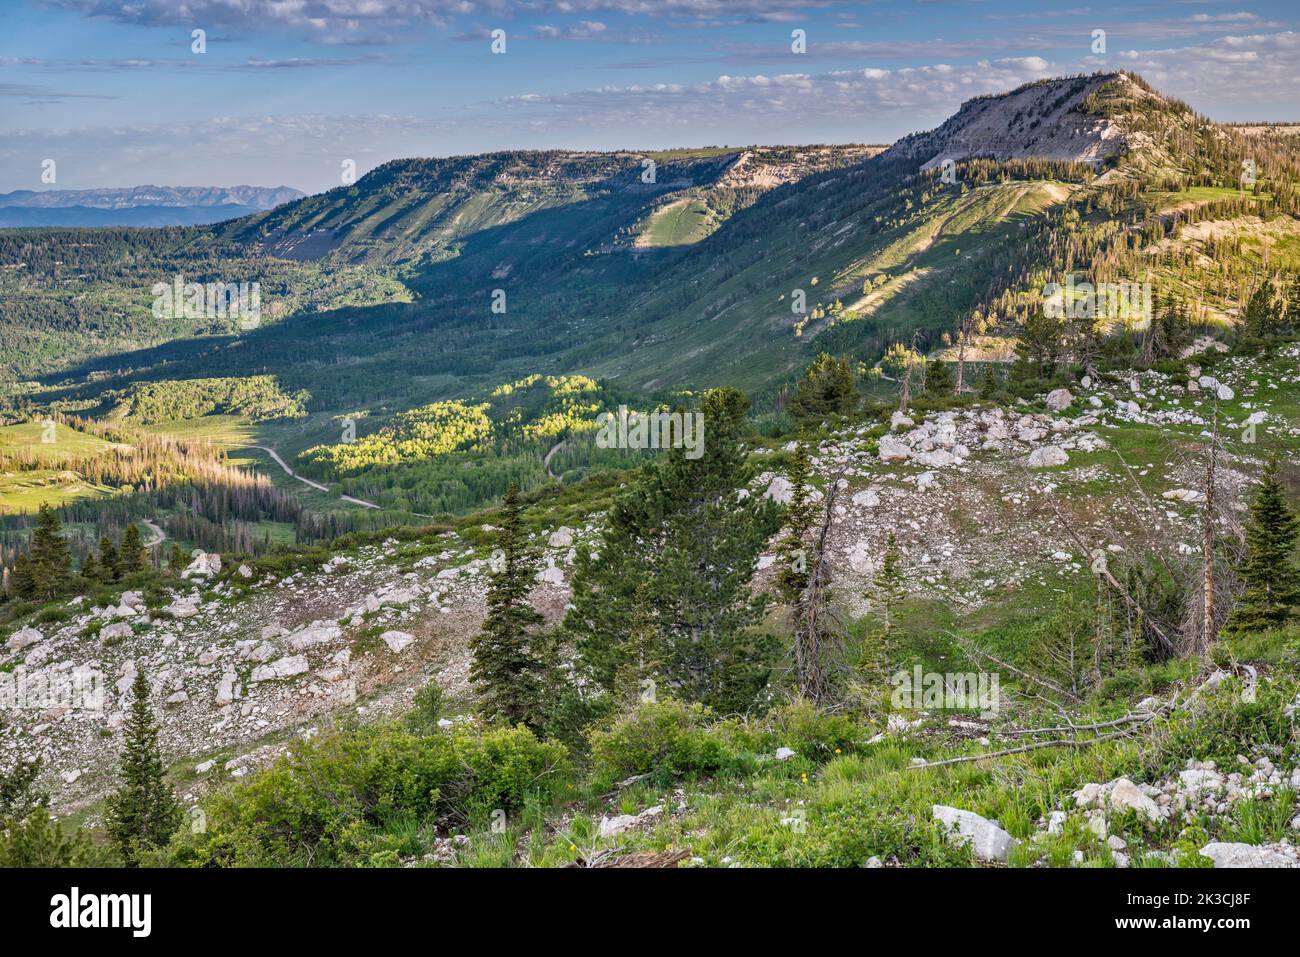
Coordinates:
<point>288,89</point>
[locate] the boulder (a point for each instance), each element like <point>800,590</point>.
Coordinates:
<point>562,537</point>
<point>22,638</point>
<point>899,422</point>
<point>1059,399</point>
<point>116,631</point>
<point>1047,456</point>
<point>183,606</point>
<point>988,841</point>
<point>550,575</point>
<point>317,633</point>
<point>228,688</point>
<point>282,668</point>
<point>204,565</point>
<point>780,490</point>
<point>1127,796</point>
<point>1226,854</point>
<point>892,449</point>
<point>397,641</point>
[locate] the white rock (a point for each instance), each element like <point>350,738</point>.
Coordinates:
<point>317,633</point>
<point>205,565</point>
<point>22,638</point>
<point>1126,796</point>
<point>283,668</point>
<point>397,641</point>
<point>898,422</point>
<point>1047,456</point>
<point>892,449</point>
<point>1249,855</point>
<point>867,498</point>
<point>228,688</point>
<point>119,629</point>
<point>562,537</point>
<point>988,841</point>
<point>1059,399</point>
<point>785,754</point>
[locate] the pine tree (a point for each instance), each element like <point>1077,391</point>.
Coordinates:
<point>888,588</point>
<point>90,570</point>
<point>506,670</point>
<point>23,582</point>
<point>1272,593</point>
<point>989,384</point>
<point>133,557</point>
<point>938,379</point>
<point>143,812</point>
<point>51,560</point>
<point>176,560</point>
<point>683,530</point>
<point>109,564</point>
<point>1262,317</point>
<point>827,388</point>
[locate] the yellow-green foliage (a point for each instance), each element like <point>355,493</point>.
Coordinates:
<point>419,433</point>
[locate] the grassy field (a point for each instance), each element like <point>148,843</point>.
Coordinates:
<point>26,490</point>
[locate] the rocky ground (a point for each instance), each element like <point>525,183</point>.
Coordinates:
<point>982,502</point>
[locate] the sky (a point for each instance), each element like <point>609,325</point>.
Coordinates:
<point>289,92</point>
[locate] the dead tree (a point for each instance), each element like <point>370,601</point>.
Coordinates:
<point>817,626</point>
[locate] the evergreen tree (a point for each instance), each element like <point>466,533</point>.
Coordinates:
<point>133,557</point>
<point>176,560</point>
<point>506,670</point>
<point>827,388</point>
<point>51,561</point>
<point>90,570</point>
<point>1263,316</point>
<point>682,532</point>
<point>792,579</point>
<point>938,379</point>
<point>887,591</point>
<point>108,561</point>
<point>1272,592</point>
<point>23,581</point>
<point>989,384</point>
<point>143,812</point>
<point>19,792</point>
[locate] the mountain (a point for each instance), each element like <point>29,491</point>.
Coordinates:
<point>139,205</point>
<point>433,279</point>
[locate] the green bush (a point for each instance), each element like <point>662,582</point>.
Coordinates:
<point>360,797</point>
<point>667,739</point>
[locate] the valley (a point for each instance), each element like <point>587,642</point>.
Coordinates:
<point>382,547</point>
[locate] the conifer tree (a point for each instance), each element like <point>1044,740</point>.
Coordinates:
<point>176,560</point>
<point>682,528</point>
<point>989,384</point>
<point>507,670</point>
<point>938,379</point>
<point>888,588</point>
<point>90,570</point>
<point>23,582</point>
<point>143,812</point>
<point>1272,593</point>
<point>827,388</point>
<point>133,557</point>
<point>51,561</point>
<point>108,561</point>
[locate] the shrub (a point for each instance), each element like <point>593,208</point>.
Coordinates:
<point>667,738</point>
<point>340,798</point>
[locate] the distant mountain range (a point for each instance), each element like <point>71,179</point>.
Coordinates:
<point>139,205</point>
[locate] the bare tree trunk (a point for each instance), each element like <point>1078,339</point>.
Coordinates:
<point>963,333</point>
<point>810,627</point>
<point>1207,630</point>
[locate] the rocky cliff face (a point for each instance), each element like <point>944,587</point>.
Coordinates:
<point>1044,120</point>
